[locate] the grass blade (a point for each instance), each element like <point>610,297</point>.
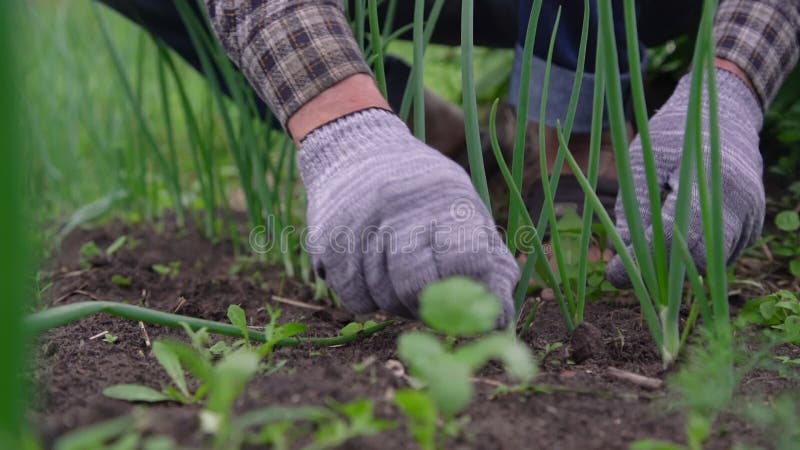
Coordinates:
<point>620,141</point>
<point>418,69</point>
<point>475,152</point>
<point>642,123</point>
<point>377,46</point>
<point>523,104</point>
<point>14,269</point>
<point>555,238</point>
<point>639,288</point>
<point>543,266</point>
<point>595,142</point>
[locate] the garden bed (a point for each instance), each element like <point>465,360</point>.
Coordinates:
<point>573,404</point>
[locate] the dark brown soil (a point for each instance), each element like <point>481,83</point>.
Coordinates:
<point>589,409</point>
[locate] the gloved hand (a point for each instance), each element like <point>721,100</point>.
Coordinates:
<point>388,215</point>
<point>740,120</point>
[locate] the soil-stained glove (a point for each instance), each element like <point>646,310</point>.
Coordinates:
<point>387,215</point>
<point>740,120</point>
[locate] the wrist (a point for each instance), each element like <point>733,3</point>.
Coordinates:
<point>731,67</point>
<point>353,94</point>
<point>355,137</point>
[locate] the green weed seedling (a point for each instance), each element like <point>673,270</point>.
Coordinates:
<point>90,251</point>
<point>220,384</point>
<point>422,414</point>
<point>170,270</point>
<point>788,246</point>
<point>118,433</point>
<point>121,280</point>
<point>87,253</point>
<point>110,339</point>
<point>779,311</point>
<point>174,357</point>
<point>779,419</point>
<point>282,426</point>
<point>116,245</point>
<point>273,332</point>
<point>353,419</point>
<point>459,307</point>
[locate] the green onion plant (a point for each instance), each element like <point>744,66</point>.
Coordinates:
<point>14,270</point>
<point>657,276</point>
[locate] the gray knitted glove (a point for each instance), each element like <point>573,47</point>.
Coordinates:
<point>387,215</point>
<point>740,119</point>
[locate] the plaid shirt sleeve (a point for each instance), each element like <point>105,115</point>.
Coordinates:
<point>289,50</point>
<point>762,37</point>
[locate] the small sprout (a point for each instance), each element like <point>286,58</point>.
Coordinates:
<point>110,338</point>
<point>121,280</point>
<point>87,253</point>
<point>172,270</point>
<point>116,245</point>
<point>460,307</point>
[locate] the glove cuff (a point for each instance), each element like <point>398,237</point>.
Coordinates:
<point>737,97</point>
<point>733,94</point>
<point>354,136</point>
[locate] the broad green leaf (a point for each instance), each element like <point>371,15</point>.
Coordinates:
<point>570,222</point>
<point>229,378</point>
<point>459,306</point>
<point>447,378</point>
<point>290,329</point>
<point>448,383</point>
<point>190,358</point>
<point>351,329</point>
<point>789,305</point>
<point>172,365</point>
<point>794,267</point>
<point>237,317</point>
<point>418,348</point>
<point>503,347</point>
<point>135,393</point>
<point>116,245</point>
<point>791,328</point>
<point>767,310</point>
<point>788,221</point>
<point>422,413</point>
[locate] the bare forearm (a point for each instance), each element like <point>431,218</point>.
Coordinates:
<point>291,51</point>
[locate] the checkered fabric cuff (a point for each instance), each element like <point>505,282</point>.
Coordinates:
<point>289,50</point>
<point>762,37</point>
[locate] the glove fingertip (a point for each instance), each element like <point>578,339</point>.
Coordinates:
<point>616,273</point>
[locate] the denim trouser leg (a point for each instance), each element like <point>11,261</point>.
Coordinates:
<point>659,21</point>
<point>565,60</point>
